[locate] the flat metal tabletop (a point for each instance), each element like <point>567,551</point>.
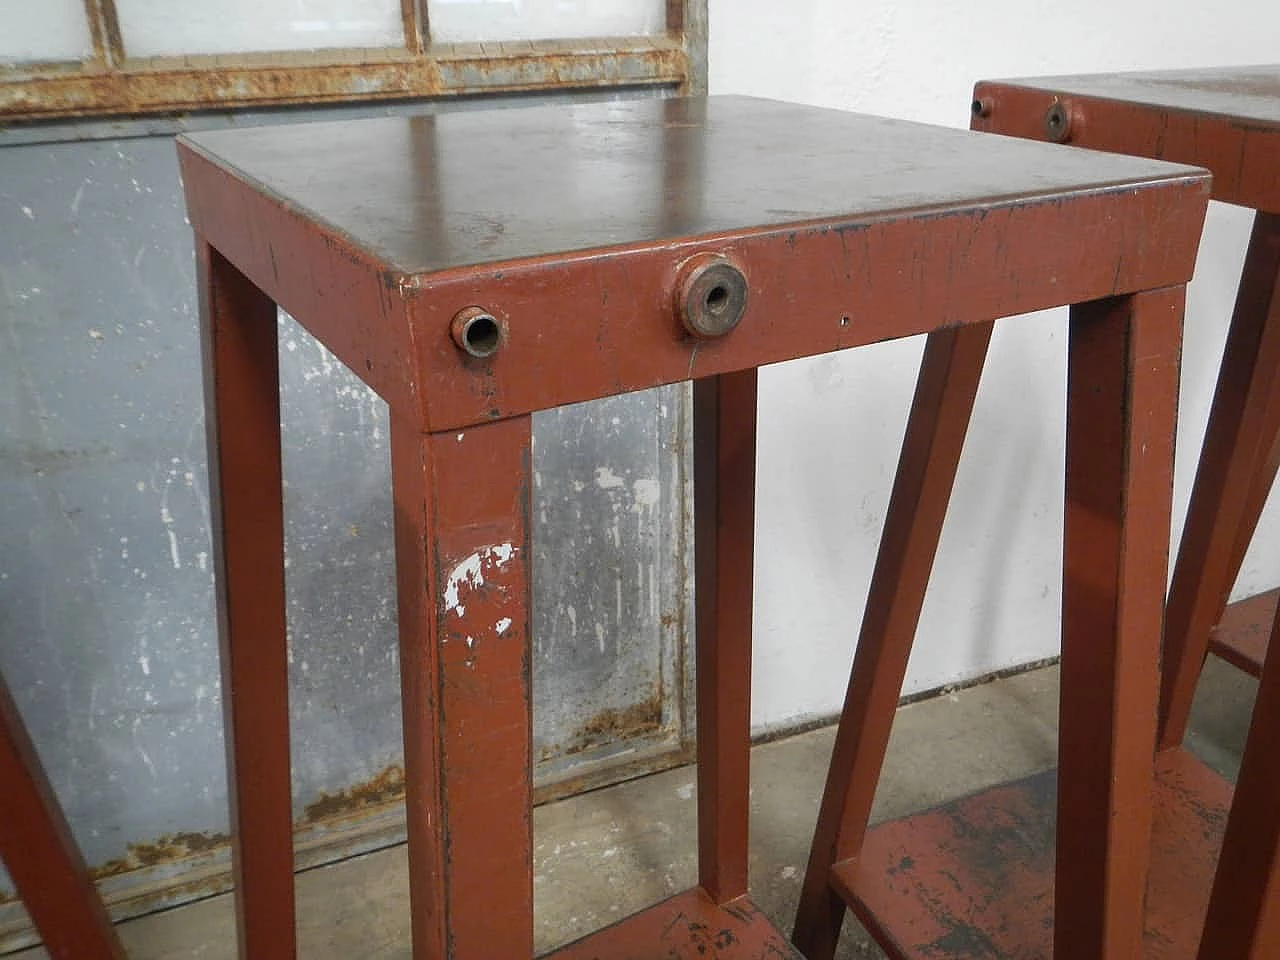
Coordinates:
<point>1249,94</point>
<point>430,193</point>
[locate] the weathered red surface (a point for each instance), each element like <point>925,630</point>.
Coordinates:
<point>37,848</point>
<point>689,926</point>
<point>570,227</point>
<point>974,878</point>
<point>1242,634</point>
<point>1226,120</point>
<point>242,423</point>
<point>724,477</point>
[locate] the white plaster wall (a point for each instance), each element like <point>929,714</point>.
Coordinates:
<point>830,427</point>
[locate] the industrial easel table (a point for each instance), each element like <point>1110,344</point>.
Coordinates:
<point>985,872</point>
<point>1227,120</point>
<point>475,267</point>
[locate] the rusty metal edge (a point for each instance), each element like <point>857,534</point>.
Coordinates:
<point>203,83</point>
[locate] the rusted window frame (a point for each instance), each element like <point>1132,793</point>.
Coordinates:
<point>112,84</point>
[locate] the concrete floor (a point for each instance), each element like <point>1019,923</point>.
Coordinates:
<point>601,856</point>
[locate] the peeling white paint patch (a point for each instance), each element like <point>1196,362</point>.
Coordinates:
<point>470,572</point>
<point>502,626</point>
<point>26,212</point>
<point>685,791</point>
<point>606,479</point>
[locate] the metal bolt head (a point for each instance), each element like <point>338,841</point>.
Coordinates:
<point>1057,122</point>
<point>476,332</point>
<point>711,296</point>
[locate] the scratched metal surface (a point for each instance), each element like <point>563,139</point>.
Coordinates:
<point>1250,94</point>
<point>450,191</point>
<point>106,612</point>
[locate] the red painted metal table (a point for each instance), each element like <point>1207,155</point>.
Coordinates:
<point>475,267</point>
<point>1227,121</point>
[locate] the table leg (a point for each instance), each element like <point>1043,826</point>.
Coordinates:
<point>724,440</point>
<point>462,557</point>
<point>37,847</point>
<point>1243,921</point>
<point>242,422</point>
<point>1122,392</point>
<point>1237,465</point>
<point>945,392</point>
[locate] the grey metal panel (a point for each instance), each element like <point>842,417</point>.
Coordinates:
<point>106,614</point>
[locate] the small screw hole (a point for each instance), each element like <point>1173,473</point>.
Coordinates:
<point>844,321</point>
<point>482,335</point>
<point>717,299</point>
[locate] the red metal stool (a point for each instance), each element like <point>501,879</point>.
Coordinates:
<point>41,855</point>
<point>475,267</point>
<point>978,876</point>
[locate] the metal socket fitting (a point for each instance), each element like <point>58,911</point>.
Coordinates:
<point>711,296</point>
<point>1057,122</point>
<point>476,332</point>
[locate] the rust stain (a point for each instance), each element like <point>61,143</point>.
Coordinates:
<point>164,849</point>
<point>619,724</point>
<point>168,84</point>
<point>386,787</point>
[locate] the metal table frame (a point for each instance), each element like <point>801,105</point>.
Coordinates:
<point>1229,122</point>
<point>842,231</point>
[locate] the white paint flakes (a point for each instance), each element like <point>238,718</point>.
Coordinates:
<point>27,212</point>
<point>173,550</point>
<point>470,573</point>
<point>685,791</point>
<point>502,626</point>
<point>606,479</point>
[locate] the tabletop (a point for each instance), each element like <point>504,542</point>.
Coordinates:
<point>596,246</point>
<point>1241,93</point>
<point>429,193</point>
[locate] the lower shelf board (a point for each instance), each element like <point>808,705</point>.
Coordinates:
<point>973,878</point>
<point>1241,636</point>
<point>689,926</point>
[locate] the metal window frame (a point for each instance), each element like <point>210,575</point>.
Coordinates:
<point>112,84</point>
